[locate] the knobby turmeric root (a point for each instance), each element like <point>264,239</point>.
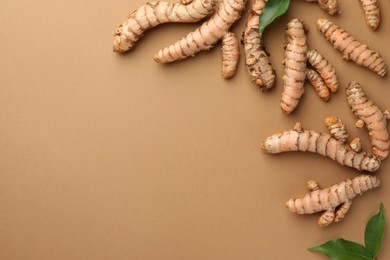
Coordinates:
<point>335,201</point>
<point>371,12</point>
<point>256,59</point>
<point>336,128</point>
<point>155,13</point>
<point>319,85</point>
<point>230,55</point>
<point>299,139</point>
<point>294,65</point>
<point>351,48</point>
<point>373,118</point>
<point>206,36</point>
<point>330,6</point>
<point>326,70</point>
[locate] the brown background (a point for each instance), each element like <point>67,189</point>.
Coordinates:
<point>107,156</point>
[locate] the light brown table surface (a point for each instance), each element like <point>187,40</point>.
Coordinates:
<point>108,156</point>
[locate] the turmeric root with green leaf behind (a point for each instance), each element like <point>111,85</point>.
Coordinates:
<point>299,139</point>
<point>335,201</point>
<point>319,85</point>
<point>153,14</point>
<point>256,59</point>
<point>230,55</point>
<point>374,119</point>
<point>294,65</point>
<point>372,13</point>
<point>206,36</point>
<point>330,6</point>
<point>351,48</point>
<point>324,68</point>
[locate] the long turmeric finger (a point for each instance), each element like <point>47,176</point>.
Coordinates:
<point>256,59</point>
<point>294,65</point>
<point>351,48</point>
<point>372,116</point>
<point>206,36</point>
<point>155,13</point>
<point>371,12</point>
<point>335,200</point>
<point>326,70</point>
<point>319,85</point>
<point>330,6</point>
<point>230,55</point>
<point>299,139</point>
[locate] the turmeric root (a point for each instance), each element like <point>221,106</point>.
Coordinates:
<point>153,14</point>
<point>373,118</point>
<point>351,48</point>
<point>334,201</point>
<point>336,128</point>
<point>206,36</point>
<point>319,85</point>
<point>230,55</point>
<point>256,59</point>
<point>294,65</point>
<point>299,139</point>
<point>371,12</point>
<point>326,70</point>
<point>356,145</point>
<point>330,6</point>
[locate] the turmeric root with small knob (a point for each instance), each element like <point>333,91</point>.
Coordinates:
<point>324,68</point>
<point>294,65</point>
<point>351,48</point>
<point>335,201</point>
<point>373,118</point>
<point>230,55</point>
<point>153,14</point>
<point>299,139</point>
<point>206,36</point>
<point>330,6</point>
<point>336,128</point>
<point>319,85</point>
<point>371,12</point>
<point>256,59</point>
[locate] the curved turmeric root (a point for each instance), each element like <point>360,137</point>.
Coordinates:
<point>351,48</point>
<point>256,59</point>
<point>373,118</point>
<point>330,6</point>
<point>153,14</point>
<point>299,139</point>
<point>294,65</point>
<point>334,201</point>
<point>372,13</point>
<point>324,68</point>
<point>319,85</point>
<point>206,36</point>
<point>230,55</point>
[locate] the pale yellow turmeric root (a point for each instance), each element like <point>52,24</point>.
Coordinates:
<point>256,59</point>
<point>335,201</point>
<point>206,36</point>
<point>373,118</point>
<point>351,48</point>
<point>294,65</point>
<point>324,68</point>
<point>299,139</point>
<point>153,14</point>
<point>230,55</point>
<point>372,13</point>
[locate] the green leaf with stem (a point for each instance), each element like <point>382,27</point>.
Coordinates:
<point>272,10</point>
<point>375,230</point>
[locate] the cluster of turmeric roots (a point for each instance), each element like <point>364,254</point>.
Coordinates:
<point>221,16</point>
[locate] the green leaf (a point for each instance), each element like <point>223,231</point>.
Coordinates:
<point>341,249</point>
<point>272,10</point>
<point>375,230</point>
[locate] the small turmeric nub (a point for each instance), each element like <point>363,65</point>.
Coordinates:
<point>372,13</point>
<point>319,85</point>
<point>336,128</point>
<point>230,55</point>
<point>324,68</point>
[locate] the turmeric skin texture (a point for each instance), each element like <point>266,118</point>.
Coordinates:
<point>294,65</point>
<point>299,139</point>
<point>256,59</point>
<point>351,48</point>
<point>330,6</point>
<point>153,14</point>
<point>335,201</point>
<point>336,128</point>
<point>206,36</point>
<point>319,85</point>
<point>230,55</point>
<point>372,13</point>
<point>373,118</point>
<point>326,70</point>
